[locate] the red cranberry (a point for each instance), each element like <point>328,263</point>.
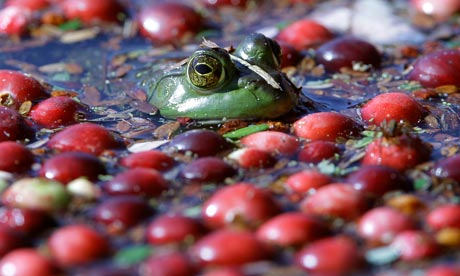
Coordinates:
<point>307,181</point>
<point>272,141</point>
<point>343,52</point>
<point>153,159</point>
<point>28,221</point>
<point>380,225</point>
<point>207,169</point>
<point>76,245</point>
<point>440,9</point>
<point>12,125</point>
<point>225,271</point>
<point>67,166</point>
<point>224,3</point>
<point>392,106</point>
<point>448,168</point>
<point>444,216</point>
<point>443,270</point>
<point>291,229</point>
<point>326,126</point>
<point>415,245</point>
<point>304,34</point>
<point>56,112</point>
<point>14,21</point>
<point>86,137</point>
<point>26,262</point>
<point>290,57</point>
<point>248,158</point>
<point>18,88</point>
<point>200,142</point>
<point>317,151</point>
<point>92,11</point>
<point>228,247</point>
<point>9,240</point>
<point>15,157</point>
<point>173,229</point>
<point>169,264</point>
<point>376,180</point>
<point>119,213</point>
<point>169,22</point>
<point>28,4</point>
<point>437,68</point>
<point>137,181</point>
<point>241,202</point>
<point>336,200</point>
<point>330,256</point>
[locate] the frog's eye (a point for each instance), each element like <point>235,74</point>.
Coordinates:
<point>205,71</point>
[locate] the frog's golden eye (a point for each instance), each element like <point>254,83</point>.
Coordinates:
<point>205,71</point>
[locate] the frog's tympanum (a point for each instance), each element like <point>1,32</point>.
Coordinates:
<point>245,83</point>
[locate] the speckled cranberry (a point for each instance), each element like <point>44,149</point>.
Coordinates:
<point>239,203</point>
<point>336,200</point>
<point>27,221</point>
<point>272,141</point>
<point>307,181</point>
<point>200,142</point>
<point>26,262</point>
<point>343,52</point>
<point>170,228</point>
<point>207,169</point>
<point>67,166</point>
<point>153,159</point>
<point>228,247</point>
<point>168,264</point>
<point>304,34</point>
<point>93,11</point>
<point>415,245</point>
<point>338,255</point>
<point>253,158</point>
<point>13,126</point>
<point>137,181</point>
<point>57,112</point>
<point>444,216</point>
<point>86,137</point>
<point>169,22</point>
<point>16,88</point>
<point>448,168</point>
<point>380,225</point>
<point>317,151</point>
<point>16,158</point>
<point>291,229</point>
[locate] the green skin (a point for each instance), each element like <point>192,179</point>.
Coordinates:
<point>214,86</point>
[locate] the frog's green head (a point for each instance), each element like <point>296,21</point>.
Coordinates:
<point>217,84</point>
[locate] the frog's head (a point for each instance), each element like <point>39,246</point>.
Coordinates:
<point>217,84</point>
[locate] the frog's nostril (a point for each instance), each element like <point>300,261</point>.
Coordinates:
<point>203,69</point>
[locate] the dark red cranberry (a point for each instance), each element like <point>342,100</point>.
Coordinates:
<point>28,221</point>
<point>86,137</point>
<point>448,168</point>
<point>376,180</point>
<point>15,157</point>
<point>169,22</point>
<point>137,181</point>
<point>153,159</point>
<point>67,166</point>
<point>168,264</point>
<point>239,203</point>
<point>207,169</point>
<point>228,247</point>
<point>26,261</point>
<point>93,11</point>
<point>317,151</point>
<point>290,56</point>
<point>16,88</point>
<point>56,112</point>
<point>437,68</point>
<point>119,213</point>
<point>171,228</point>
<point>10,239</point>
<point>12,125</point>
<point>343,52</point>
<point>200,142</point>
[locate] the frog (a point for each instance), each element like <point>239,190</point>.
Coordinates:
<point>215,83</point>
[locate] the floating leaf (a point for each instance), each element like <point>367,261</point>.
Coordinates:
<point>133,255</point>
<point>70,25</point>
<point>245,131</point>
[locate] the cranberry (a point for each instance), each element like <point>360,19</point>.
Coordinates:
<point>291,56</point>
<point>225,271</point>
<point>137,181</point>
<point>330,256</point>
<point>86,137</point>
<point>15,157</point>
<point>448,168</point>
<point>326,126</point>
<point>67,166</point>
<point>207,169</point>
<point>415,245</point>
<point>168,264</point>
<point>169,22</point>
<point>336,200</point>
<point>16,88</point>
<point>92,11</point>
<point>153,159</point>
<point>440,9</point>
<point>291,229</point>
<point>304,34</point>
<point>224,3</point>
<point>200,142</point>
<point>307,181</point>
<point>28,4</point>
<point>173,229</point>
<point>119,213</point>
<point>317,151</point>
<point>380,225</point>
<point>444,216</point>
<point>239,203</point>
<point>443,270</point>
<point>256,158</point>
<point>14,21</point>
<point>77,244</point>
<point>273,141</point>
<point>376,180</point>
<point>343,52</point>
<point>392,106</point>
<point>12,125</point>
<point>9,240</point>
<point>437,68</point>
<point>228,247</point>
<point>56,112</point>
<point>25,262</point>
<point>28,221</point>
<point>402,152</point>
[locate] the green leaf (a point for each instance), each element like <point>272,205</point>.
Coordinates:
<point>70,25</point>
<point>421,183</point>
<point>245,131</point>
<point>133,255</point>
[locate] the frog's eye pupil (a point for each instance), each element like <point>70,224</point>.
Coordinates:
<point>205,71</point>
